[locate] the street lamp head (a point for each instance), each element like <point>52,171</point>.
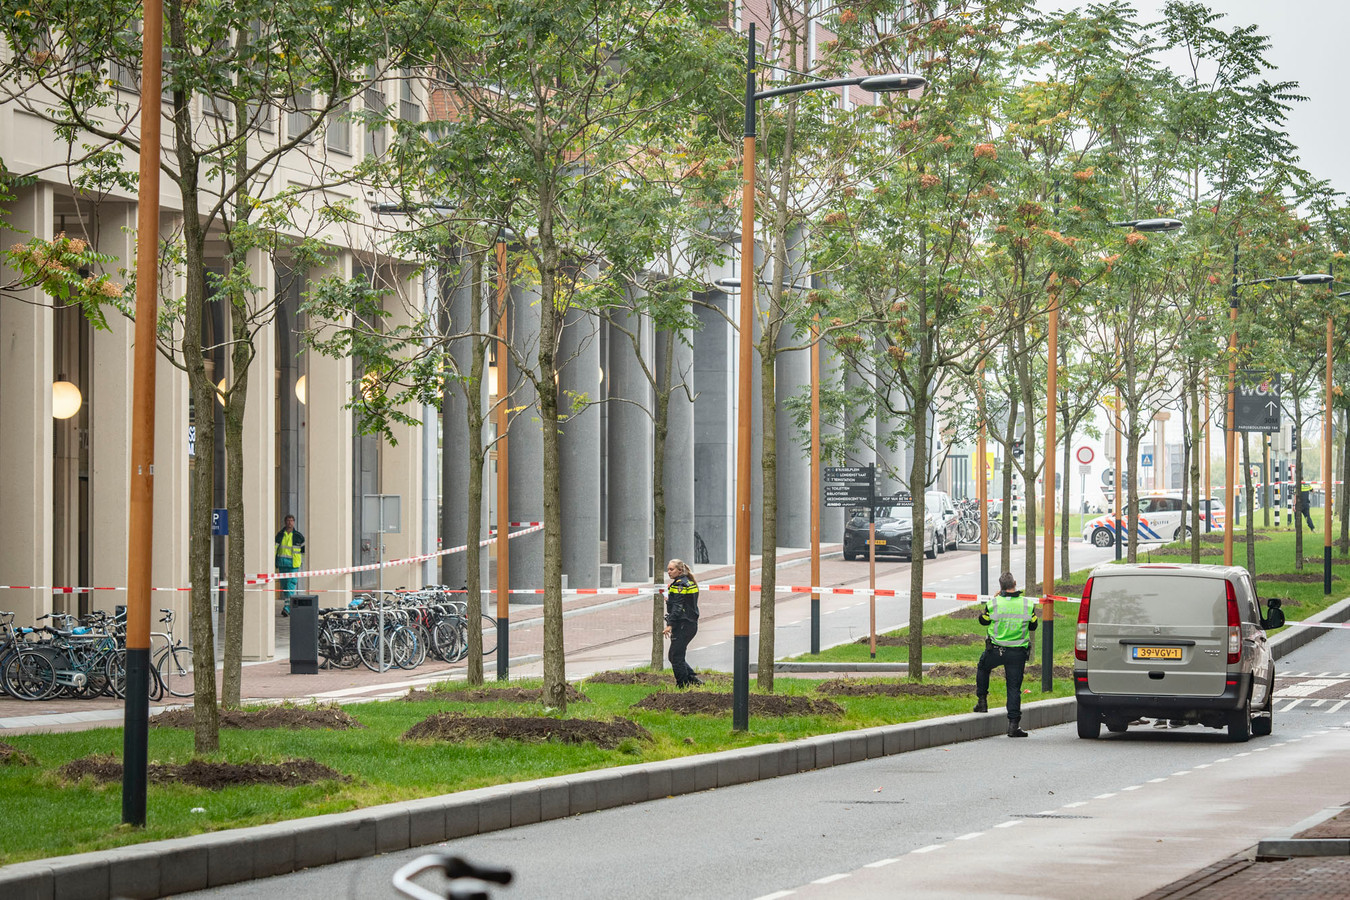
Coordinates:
<point>1315,278</point>
<point>901,81</point>
<point>727,285</point>
<point>1150,224</point>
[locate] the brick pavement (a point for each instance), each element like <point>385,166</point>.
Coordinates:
<point>1241,878</point>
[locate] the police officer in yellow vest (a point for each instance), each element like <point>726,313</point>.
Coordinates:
<point>290,554</point>
<point>1010,618</point>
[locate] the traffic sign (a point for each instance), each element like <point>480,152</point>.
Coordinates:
<point>1256,402</point>
<point>847,474</point>
<point>220,522</point>
<point>1084,454</point>
<point>1146,459</point>
<point>900,498</point>
<point>845,495</point>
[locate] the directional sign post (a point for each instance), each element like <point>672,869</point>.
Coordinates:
<point>1257,402</point>
<point>854,486</point>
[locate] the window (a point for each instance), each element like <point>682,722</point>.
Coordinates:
<point>408,110</point>
<point>301,114</point>
<point>375,103</point>
<point>338,130</point>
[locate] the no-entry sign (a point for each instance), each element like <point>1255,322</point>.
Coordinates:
<point>1084,454</point>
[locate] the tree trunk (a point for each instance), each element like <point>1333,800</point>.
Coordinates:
<point>1005,546</point>
<point>1250,494</point>
<point>1130,511</point>
<point>1344,543</point>
<point>768,574</point>
<point>1193,446</point>
<point>918,483</point>
<point>1298,486</point>
<point>546,387</point>
<point>662,429</point>
<point>473,392</point>
<point>1064,568</point>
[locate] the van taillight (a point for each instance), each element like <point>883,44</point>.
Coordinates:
<point>1234,626</point>
<point>1080,641</point>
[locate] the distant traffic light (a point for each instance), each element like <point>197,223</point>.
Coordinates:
<point>1017,448</point>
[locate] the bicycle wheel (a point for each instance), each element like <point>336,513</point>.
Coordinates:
<point>368,647</point>
<point>489,635</point>
<point>445,640</point>
<point>30,676</point>
<point>175,670</point>
<point>995,530</point>
<point>967,531</point>
<point>116,669</point>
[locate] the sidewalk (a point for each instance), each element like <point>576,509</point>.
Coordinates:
<point>591,624</point>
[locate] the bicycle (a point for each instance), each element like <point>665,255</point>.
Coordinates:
<point>455,868</point>
<point>173,661</point>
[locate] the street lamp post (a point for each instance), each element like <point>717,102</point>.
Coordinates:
<point>740,705</point>
<point>1230,426</point>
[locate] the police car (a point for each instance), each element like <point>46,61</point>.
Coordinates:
<point>1161,517</point>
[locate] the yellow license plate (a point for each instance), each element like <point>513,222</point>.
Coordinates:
<point>1157,653</point>
<point>879,542</point>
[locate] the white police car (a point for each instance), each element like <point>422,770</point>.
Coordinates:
<point>1161,517</point>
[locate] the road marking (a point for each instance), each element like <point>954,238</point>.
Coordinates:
<point>1133,787</point>
<point>881,862</point>
<point>1074,805</point>
<point>1317,703</point>
<point>1204,765</point>
<point>1104,796</point>
<point>1179,774</point>
<point>929,849</point>
<point>1009,823</point>
<point>1337,707</point>
<point>973,834</point>
<point>830,878</point>
<point>1260,749</point>
<point>1156,780</point>
<point>1224,759</point>
<point>776,895</point>
<point>1046,812</point>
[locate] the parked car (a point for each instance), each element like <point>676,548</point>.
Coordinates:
<point>895,537</point>
<point>1178,642</point>
<point>945,518</point>
<point>1161,517</point>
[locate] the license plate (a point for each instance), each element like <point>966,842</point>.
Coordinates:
<point>1156,652</point>
<point>879,542</point>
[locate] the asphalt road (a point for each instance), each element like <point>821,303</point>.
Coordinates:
<point>1049,816</point>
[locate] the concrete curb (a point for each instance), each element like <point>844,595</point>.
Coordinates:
<point>180,865</point>
<point>162,868</point>
<point>1286,846</point>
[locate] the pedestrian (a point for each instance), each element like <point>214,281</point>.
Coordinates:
<point>1010,618</point>
<point>681,619</point>
<point>290,554</point>
<point>1305,505</point>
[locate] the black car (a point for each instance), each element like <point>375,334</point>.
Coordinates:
<point>894,533</point>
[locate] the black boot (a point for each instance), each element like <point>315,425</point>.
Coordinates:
<point>981,704</point>
<point>1015,728</point>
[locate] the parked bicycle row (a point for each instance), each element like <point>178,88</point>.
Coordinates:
<point>87,657</point>
<point>415,625</point>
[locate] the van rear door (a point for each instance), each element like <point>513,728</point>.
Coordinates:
<point>1157,635</point>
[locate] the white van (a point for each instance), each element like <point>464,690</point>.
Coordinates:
<point>1173,641</point>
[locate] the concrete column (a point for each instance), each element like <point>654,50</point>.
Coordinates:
<point>328,519</point>
<point>401,461</point>
<point>630,447</point>
<point>260,440</point>
<point>526,448</point>
<point>831,517</point>
<point>679,464</point>
<point>109,400</point>
<point>26,376</point>
<point>457,293</point>
<point>169,561</point>
<point>714,430</point>
<point>793,371</point>
<point>579,447</point>
<point>892,464</point>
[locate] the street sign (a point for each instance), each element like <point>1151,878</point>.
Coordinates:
<point>846,474</point>
<point>220,522</point>
<point>845,495</point>
<point>1085,470</point>
<point>1083,454</point>
<point>1256,402</point>
<point>1146,459</point>
<point>848,486</point>
<point>900,498</point>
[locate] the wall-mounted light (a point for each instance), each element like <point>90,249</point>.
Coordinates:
<point>220,392</point>
<point>66,398</point>
<point>492,381</point>
<point>301,391</point>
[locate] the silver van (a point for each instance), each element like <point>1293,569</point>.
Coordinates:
<point>1180,642</point>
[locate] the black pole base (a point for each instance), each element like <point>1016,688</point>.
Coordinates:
<point>984,574</point>
<point>1326,571</point>
<point>135,737</point>
<point>1047,656</point>
<point>503,648</point>
<point>740,683</point>
<point>815,625</point>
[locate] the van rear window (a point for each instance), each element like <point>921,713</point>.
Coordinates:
<point>1158,600</point>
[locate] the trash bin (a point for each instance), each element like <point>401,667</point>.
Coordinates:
<point>305,634</point>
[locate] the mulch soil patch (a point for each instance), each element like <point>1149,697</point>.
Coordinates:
<point>1335,561</point>
<point>967,612</point>
<point>297,717</point>
<point>652,679</point>
<point>206,774</point>
<point>494,695</point>
<point>1239,534</point>
<point>929,640</point>
<point>13,756</point>
<point>711,703</point>
<point>1291,577</point>
<point>1337,828</point>
<point>848,687</point>
<point>457,727</point>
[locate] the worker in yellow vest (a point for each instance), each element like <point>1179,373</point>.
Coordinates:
<point>290,554</point>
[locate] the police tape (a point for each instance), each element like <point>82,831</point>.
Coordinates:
<point>264,578</point>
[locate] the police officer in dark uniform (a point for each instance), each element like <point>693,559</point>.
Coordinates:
<point>681,619</point>
<point>1010,618</point>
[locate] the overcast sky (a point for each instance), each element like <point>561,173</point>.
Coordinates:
<point>1307,40</point>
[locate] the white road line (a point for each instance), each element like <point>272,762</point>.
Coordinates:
<point>776,895</point>
<point>1047,812</point>
<point>1260,749</point>
<point>1317,703</point>
<point>1246,753</point>
<point>1133,787</point>
<point>1224,759</point>
<point>1074,805</point>
<point>1156,780</point>
<point>1104,796</point>
<point>881,862</point>
<point>1179,774</point>
<point>973,834</point>
<point>1204,765</point>
<point>1337,707</point>
<point>1292,704</point>
<point>831,878</point>
<point>929,849</point>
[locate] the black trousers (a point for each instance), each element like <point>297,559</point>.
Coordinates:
<point>1308,516</point>
<point>681,633</point>
<point>1014,663</point>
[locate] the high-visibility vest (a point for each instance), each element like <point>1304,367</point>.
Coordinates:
<point>286,548</point>
<point>1010,620</point>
